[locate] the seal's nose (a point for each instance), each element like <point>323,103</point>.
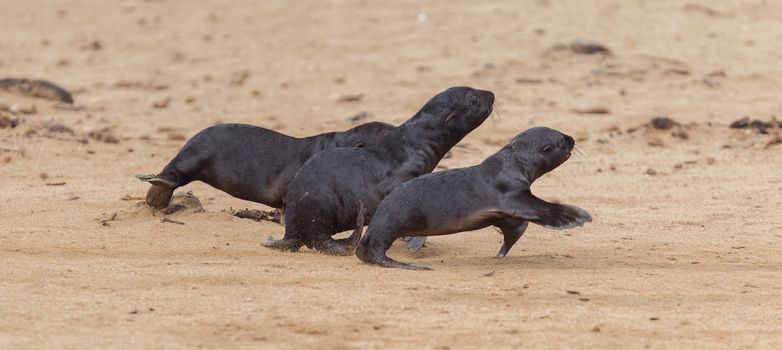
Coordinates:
<point>570,142</point>
<point>489,95</point>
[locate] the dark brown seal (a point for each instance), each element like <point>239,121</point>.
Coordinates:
<point>494,193</point>
<point>250,162</point>
<point>325,196</point>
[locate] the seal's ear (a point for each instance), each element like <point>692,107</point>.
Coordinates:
<point>449,117</point>
<point>556,216</point>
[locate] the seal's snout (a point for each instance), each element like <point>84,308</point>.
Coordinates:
<point>489,96</point>
<point>570,142</point>
<point>487,101</point>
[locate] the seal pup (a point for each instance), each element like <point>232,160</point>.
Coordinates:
<point>249,162</point>
<point>494,193</point>
<point>324,197</point>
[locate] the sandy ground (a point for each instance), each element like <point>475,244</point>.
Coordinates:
<point>684,251</point>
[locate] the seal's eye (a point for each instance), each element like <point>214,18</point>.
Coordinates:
<point>545,148</point>
<point>474,101</point>
<point>359,145</point>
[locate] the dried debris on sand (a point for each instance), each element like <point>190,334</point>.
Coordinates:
<point>36,88</point>
<point>757,125</point>
<point>274,216</point>
<point>580,47</point>
<point>184,202</point>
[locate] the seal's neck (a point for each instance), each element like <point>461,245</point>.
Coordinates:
<point>320,142</point>
<point>418,146</point>
<point>515,170</point>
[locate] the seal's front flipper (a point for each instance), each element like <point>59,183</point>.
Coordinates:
<point>285,245</point>
<point>556,216</point>
<point>510,236</point>
<point>414,244</point>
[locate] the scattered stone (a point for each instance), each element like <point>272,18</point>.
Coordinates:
<point>651,172</point>
<point>591,110</point>
<point>684,135</point>
<point>164,220</point>
<point>350,97</point>
<point>358,117</point>
<point>145,85</point>
<point>588,47</point>
<point>94,46</point>
<point>59,128</point>
<point>528,81</point>
<point>663,123</point>
<point>7,122</point>
<point>758,125</point>
<point>105,222</point>
<point>176,136</point>
<point>690,7</point>
<point>238,78</point>
<point>742,123</point>
<point>55,183</point>
<point>656,142</point>
<point>710,79</point>
<point>574,292</point>
<point>103,135</point>
<point>490,273</point>
<point>161,104</point>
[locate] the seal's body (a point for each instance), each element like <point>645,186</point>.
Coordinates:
<point>250,162</point>
<point>494,193</point>
<point>325,196</point>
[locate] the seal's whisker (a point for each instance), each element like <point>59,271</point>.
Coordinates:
<point>579,151</point>
<point>497,111</point>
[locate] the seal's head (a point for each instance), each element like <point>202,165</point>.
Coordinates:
<point>459,109</point>
<point>540,150</point>
<point>362,135</point>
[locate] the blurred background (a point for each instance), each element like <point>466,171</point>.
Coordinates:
<point>674,103</point>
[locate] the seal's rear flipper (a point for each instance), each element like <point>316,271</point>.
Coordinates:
<point>347,246</point>
<point>285,245</point>
<point>159,196</point>
<point>556,216</point>
<point>414,244</point>
<point>155,180</point>
<point>388,262</point>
